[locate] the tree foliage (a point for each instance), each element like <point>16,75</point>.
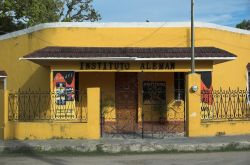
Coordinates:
<point>245,24</point>
<point>18,14</point>
<point>78,11</point>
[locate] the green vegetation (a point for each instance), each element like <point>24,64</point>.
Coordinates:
<point>245,24</point>
<point>19,14</point>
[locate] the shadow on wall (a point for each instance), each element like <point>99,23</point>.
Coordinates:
<point>40,79</point>
<point>28,106</point>
<point>1,84</point>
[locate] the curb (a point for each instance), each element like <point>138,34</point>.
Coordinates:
<point>125,148</point>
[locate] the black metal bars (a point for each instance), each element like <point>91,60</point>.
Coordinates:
<point>39,105</point>
<point>225,105</point>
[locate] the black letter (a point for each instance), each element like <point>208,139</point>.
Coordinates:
<point>117,66</point>
<point>161,65</point>
<point>154,65</point>
<point>172,64</point>
<point>167,65</point>
<point>87,66</point>
<point>99,65</point>
<point>104,66</point>
<point>148,67</point>
<point>93,66</point>
<point>127,66</point>
<point>81,65</point>
<point>142,66</point>
<point>122,65</point>
<point>110,65</point>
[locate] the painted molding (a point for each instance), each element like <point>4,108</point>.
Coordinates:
<point>121,25</point>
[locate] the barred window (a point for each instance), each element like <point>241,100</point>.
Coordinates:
<point>77,86</point>
<point>179,86</point>
<point>248,79</point>
<point>154,92</point>
<point>248,84</point>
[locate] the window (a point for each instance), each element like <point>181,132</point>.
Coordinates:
<point>154,92</point>
<point>248,80</point>
<point>179,86</point>
<point>248,84</point>
<point>77,86</point>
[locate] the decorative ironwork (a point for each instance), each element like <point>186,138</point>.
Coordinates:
<point>225,105</point>
<point>38,105</point>
<point>153,119</point>
<point>159,121</point>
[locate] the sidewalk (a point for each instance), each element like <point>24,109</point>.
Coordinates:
<point>174,144</point>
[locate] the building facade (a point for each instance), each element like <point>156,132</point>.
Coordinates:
<point>141,71</point>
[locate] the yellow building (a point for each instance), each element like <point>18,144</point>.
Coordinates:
<point>91,80</point>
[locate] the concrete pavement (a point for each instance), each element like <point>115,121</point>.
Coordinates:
<point>219,158</point>
<point>173,144</point>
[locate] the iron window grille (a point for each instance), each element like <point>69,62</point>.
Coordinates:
<point>179,86</point>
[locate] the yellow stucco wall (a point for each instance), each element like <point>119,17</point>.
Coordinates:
<point>52,129</point>
<point>46,130</point>
<point>223,128</point>
<point>25,74</point>
<point>2,112</point>
<point>197,128</point>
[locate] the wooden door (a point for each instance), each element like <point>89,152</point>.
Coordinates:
<point>126,100</point>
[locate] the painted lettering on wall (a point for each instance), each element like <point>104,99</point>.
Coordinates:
<point>127,66</point>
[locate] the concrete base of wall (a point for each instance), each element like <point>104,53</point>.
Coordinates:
<point>224,128</point>
<point>46,130</point>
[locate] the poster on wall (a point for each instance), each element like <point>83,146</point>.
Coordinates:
<point>64,86</point>
<point>60,93</point>
<point>206,85</point>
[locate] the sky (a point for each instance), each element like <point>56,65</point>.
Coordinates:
<point>222,12</point>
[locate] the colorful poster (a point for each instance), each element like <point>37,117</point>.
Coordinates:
<point>64,86</point>
<point>206,86</point>
<point>60,93</point>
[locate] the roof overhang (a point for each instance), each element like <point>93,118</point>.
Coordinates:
<point>3,74</point>
<point>48,55</point>
<point>128,59</point>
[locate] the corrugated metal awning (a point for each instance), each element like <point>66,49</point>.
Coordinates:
<point>3,73</point>
<point>128,53</point>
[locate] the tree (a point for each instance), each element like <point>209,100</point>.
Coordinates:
<point>18,14</point>
<point>245,24</point>
<point>78,11</point>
